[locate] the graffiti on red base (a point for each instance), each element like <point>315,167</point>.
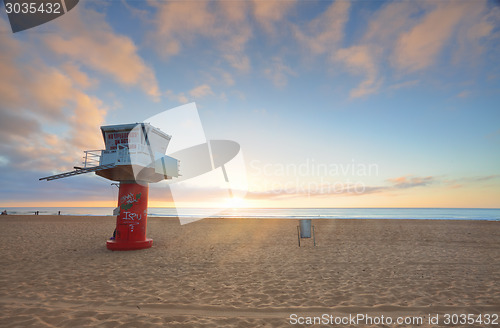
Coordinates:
<point>129,200</point>
<point>132,218</point>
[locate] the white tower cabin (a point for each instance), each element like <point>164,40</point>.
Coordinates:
<point>137,152</point>
<point>133,152</point>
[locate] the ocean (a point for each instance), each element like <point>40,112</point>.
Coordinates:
<point>285,213</point>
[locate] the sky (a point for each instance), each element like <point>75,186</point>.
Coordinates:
<point>334,103</point>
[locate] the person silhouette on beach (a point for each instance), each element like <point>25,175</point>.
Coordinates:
<point>114,235</point>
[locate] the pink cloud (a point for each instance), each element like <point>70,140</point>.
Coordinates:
<point>269,13</point>
<point>360,60</point>
<point>201,91</point>
<point>44,98</point>
<point>419,47</point>
<point>78,77</point>
<point>365,57</point>
<point>70,109</point>
<point>325,31</point>
<point>478,32</point>
<point>400,14</point>
<point>87,38</point>
<point>405,182</point>
<point>278,72</point>
<point>180,23</point>
<point>181,97</point>
<point>197,92</point>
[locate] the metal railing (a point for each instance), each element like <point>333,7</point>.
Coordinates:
<point>92,158</point>
<point>122,155</point>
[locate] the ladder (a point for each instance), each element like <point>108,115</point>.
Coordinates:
<point>79,171</point>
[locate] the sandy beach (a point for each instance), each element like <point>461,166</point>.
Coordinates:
<point>57,272</point>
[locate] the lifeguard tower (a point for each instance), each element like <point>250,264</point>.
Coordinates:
<point>134,156</point>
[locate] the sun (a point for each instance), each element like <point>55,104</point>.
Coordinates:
<point>235,202</point>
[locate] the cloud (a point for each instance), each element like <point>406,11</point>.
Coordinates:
<point>324,190</point>
<point>4,161</point>
<point>179,23</point>
<point>136,12</point>
<point>86,38</point>
<point>14,127</point>
<point>201,91</point>
<point>406,182</point>
<point>10,49</point>
<point>418,48</point>
<point>78,77</point>
<point>37,99</point>
<point>87,116</point>
<point>26,136</point>
<point>227,78</point>
<point>269,13</point>
<point>464,94</point>
<point>360,60</point>
<point>479,31</point>
<point>405,84</point>
<point>473,180</point>
<point>49,89</point>
<point>28,191</point>
<point>240,62</point>
<point>23,85</point>
<point>484,178</point>
<point>219,76</point>
<point>400,14</point>
<point>180,97</point>
<point>420,33</point>
<point>317,190</point>
<point>198,92</point>
<point>313,189</point>
<point>278,72</point>
<point>366,57</point>
<point>324,33</point>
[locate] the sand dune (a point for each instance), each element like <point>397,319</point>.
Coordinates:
<point>57,272</point>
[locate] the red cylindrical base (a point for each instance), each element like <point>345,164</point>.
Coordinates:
<point>132,221</point>
<point>128,246</point>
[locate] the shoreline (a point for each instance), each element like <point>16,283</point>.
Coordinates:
<point>302,213</point>
<point>250,218</point>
